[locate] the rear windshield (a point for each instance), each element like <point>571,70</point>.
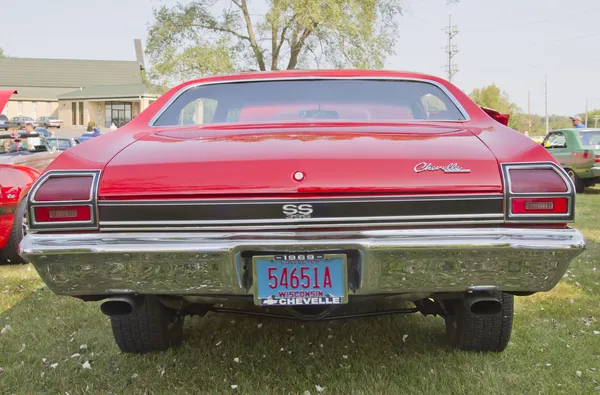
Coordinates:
<point>301,100</point>
<point>591,138</point>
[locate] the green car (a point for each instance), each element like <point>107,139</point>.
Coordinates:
<point>578,151</point>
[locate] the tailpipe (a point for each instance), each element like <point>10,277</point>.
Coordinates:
<point>120,305</point>
<point>483,304</point>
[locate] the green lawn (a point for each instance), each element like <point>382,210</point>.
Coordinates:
<point>554,348</point>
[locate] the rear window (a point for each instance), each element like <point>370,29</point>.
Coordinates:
<point>302,100</point>
<point>591,138</point>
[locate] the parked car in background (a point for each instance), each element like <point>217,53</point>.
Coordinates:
<point>4,122</point>
<point>50,122</point>
<point>22,158</point>
<point>61,143</point>
<point>302,194</point>
<point>537,139</point>
<point>81,139</point>
<point>578,151</point>
<point>20,122</point>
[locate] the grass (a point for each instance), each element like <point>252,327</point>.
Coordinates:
<point>553,348</point>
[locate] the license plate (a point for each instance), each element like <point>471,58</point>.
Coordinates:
<point>300,279</point>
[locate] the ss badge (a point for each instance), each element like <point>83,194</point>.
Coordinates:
<point>297,210</point>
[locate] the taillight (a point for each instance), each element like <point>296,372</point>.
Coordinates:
<point>536,180</point>
<point>539,205</point>
<point>63,213</point>
<point>538,192</point>
<point>57,189</point>
<point>61,200</point>
<point>597,159</point>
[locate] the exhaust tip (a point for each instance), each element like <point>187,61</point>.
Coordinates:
<point>486,307</point>
<point>116,307</point>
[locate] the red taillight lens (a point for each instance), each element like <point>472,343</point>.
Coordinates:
<point>536,181</point>
<point>597,159</point>
<point>540,205</point>
<point>63,213</point>
<point>59,189</point>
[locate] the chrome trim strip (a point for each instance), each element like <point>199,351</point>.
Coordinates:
<point>297,226</point>
<point>452,98</point>
<point>303,220</point>
<point>299,199</point>
<point>386,261</point>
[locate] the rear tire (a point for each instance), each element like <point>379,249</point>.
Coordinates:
<point>471,332</point>
<point>579,184</point>
<point>9,255</point>
<point>149,328</point>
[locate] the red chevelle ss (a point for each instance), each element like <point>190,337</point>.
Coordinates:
<point>305,194</point>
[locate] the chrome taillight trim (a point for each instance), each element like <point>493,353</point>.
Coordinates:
<point>509,217</point>
<point>91,202</point>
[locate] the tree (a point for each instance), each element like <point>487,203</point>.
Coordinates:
<point>593,118</point>
<point>2,53</point>
<point>219,36</point>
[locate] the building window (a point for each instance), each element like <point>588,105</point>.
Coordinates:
<point>74,113</point>
<point>118,113</point>
<point>99,114</point>
<point>81,113</point>
<point>19,108</point>
<point>34,110</point>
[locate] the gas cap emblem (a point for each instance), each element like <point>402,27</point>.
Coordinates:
<point>298,176</point>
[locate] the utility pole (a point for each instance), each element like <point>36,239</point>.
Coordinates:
<point>586,111</point>
<point>546,101</point>
<point>529,111</point>
<point>451,49</point>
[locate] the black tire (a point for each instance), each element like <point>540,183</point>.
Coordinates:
<point>579,184</point>
<point>9,255</point>
<point>152,327</point>
<point>470,332</point>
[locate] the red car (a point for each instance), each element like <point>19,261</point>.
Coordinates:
<point>305,195</point>
<point>18,170</point>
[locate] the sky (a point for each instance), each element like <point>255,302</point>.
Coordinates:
<point>511,43</point>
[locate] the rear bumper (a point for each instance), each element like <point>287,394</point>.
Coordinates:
<point>384,261</point>
<point>595,171</point>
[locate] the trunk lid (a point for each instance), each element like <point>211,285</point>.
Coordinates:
<point>185,163</point>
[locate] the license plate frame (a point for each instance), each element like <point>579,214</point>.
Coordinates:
<point>323,258</point>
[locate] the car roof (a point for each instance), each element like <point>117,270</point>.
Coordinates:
<point>575,130</point>
<point>320,73</point>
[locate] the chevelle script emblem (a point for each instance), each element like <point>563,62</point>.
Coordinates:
<point>449,168</point>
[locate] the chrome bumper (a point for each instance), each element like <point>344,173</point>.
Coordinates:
<point>388,261</point>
